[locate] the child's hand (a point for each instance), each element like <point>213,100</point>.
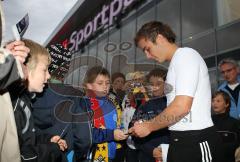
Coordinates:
<point>62,143</point>
<point>157,154</point>
<point>119,135</point>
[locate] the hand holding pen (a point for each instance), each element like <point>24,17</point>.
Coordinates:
<point>62,143</point>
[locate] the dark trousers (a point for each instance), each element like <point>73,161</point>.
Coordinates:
<point>138,156</point>
<point>195,146</point>
<point>120,155</point>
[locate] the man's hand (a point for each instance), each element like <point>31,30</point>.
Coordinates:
<point>140,129</point>
<point>19,50</point>
<point>119,135</point>
<point>157,154</point>
<point>62,143</point>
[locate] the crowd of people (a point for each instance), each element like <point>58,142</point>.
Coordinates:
<point>161,115</point>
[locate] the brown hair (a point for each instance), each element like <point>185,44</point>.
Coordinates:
<point>117,75</point>
<point>226,98</point>
<point>92,74</point>
<point>36,50</point>
<point>151,30</point>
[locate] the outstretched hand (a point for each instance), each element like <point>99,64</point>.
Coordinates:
<point>119,135</point>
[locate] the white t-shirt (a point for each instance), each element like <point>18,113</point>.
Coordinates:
<point>188,74</point>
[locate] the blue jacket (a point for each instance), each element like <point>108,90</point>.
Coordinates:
<point>235,108</point>
<point>100,135</point>
<point>62,110</point>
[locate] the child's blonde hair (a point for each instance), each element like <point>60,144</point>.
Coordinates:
<point>36,50</point>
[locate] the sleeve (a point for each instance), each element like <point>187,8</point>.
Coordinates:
<point>42,152</point>
<point>102,135</point>
<point>81,130</point>
<point>187,70</point>
<point>10,70</point>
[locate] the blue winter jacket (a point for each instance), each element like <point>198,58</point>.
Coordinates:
<point>235,108</point>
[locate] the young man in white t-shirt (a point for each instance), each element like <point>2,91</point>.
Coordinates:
<point>188,113</point>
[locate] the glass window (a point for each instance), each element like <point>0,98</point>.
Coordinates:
<point>171,18</point>
<point>127,44</point>
<point>147,16</point>
<point>227,11</point>
<point>197,16</point>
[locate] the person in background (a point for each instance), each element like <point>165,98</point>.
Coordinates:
<point>188,111</point>
<point>228,127</point>
<point>134,98</point>
<point>116,95</point>
<point>148,147</point>
<point>44,147</point>
<point>118,81</point>
<point>230,72</point>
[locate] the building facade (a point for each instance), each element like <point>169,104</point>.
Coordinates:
<point>105,36</point>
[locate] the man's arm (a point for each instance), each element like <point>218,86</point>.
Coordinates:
<point>180,107</point>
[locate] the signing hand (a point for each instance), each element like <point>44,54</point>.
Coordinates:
<point>140,129</point>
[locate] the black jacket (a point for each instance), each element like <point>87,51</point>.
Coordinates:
<point>229,130</point>
<point>33,147</point>
<point>145,112</point>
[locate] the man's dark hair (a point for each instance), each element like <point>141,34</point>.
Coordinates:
<point>151,30</point>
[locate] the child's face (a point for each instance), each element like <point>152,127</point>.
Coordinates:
<point>157,86</point>
<point>219,106</point>
<point>118,83</point>
<point>38,77</point>
<point>100,86</point>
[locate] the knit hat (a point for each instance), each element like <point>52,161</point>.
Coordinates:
<point>60,61</point>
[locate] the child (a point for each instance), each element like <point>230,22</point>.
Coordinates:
<point>132,100</point>
<point>104,116</point>
<point>118,81</point>
<point>34,147</point>
<point>227,126</point>
<point>148,145</point>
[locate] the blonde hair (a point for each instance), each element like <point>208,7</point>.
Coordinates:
<point>135,75</point>
<point>36,50</point>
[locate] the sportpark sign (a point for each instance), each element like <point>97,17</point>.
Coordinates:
<point>102,20</point>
